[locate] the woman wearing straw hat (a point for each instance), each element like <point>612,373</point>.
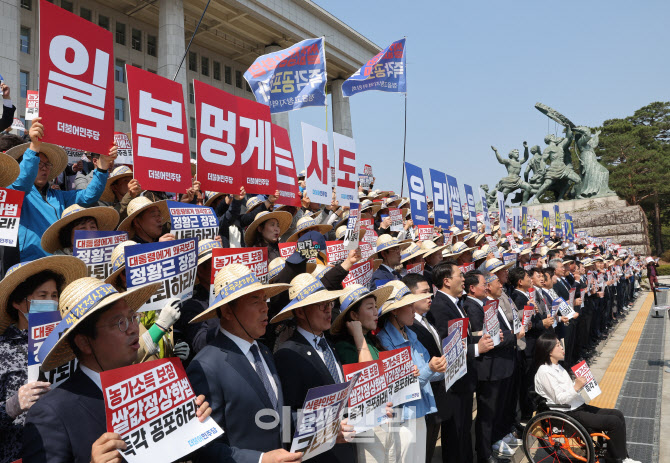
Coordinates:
<point>395,316</point>
<point>28,288</point>
<point>42,206</point>
<point>102,333</point>
<point>266,229</point>
<point>146,221</point>
<point>59,237</point>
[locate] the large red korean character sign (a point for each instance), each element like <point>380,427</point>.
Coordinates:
<point>234,142</point>
<point>287,180</point>
<point>346,176</point>
<point>161,157</point>
<point>76,93</point>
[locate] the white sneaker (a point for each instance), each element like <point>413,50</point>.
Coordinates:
<point>512,441</point>
<point>503,449</point>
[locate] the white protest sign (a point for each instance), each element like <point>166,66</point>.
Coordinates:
<point>353,228</point>
<point>190,221</point>
<point>565,308</point>
<point>317,164</point>
<point>10,214</point>
<point>591,387</point>
<point>457,365</point>
<point>32,105</point>
<point>124,149</point>
<point>40,326</point>
<point>399,372</point>
<point>368,398</point>
<point>95,249</point>
<point>491,323</point>
<point>345,178</point>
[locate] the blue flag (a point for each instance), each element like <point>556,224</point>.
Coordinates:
<point>455,201</point>
<point>292,78</point>
<point>384,72</point>
<point>417,194</point>
<point>546,224</point>
<point>440,199</point>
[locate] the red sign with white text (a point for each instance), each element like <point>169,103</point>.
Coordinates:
<point>287,180</point>
<point>234,142</point>
<point>161,156</point>
<point>76,92</point>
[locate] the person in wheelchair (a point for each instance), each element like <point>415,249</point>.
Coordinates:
<point>553,383</point>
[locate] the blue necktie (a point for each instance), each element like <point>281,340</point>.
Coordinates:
<point>260,369</point>
<point>330,360</point>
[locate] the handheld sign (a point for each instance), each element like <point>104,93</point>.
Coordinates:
<point>10,215</point>
<point>485,210</point>
<point>368,398</point>
<point>591,387</point>
<point>502,218</point>
<point>172,262</point>
<point>472,210</point>
<point>287,180</point>
<point>459,324</point>
<point>425,232</point>
<point>346,189</point>
<point>555,305</point>
<point>40,326</point>
<point>440,199</point>
<point>124,148</point>
<point>399,372</point>
<point>491,323</point>
<point>415,268</point>
<point>286,249</point>
<point>335,251</point>
<point>351,235</point>
<point>417,194</point>
<point>465,268</point>
<point>317,164</point>
<point>189,221</point>
<point>565,308</point>
<point>256,259</point>
<point>396,219</point>
<point>457,365</point>
<point>32,105</point>
<point>516,321</point>
<point>528,312</point>
<point>455,201</point>
<point>571,299</point>
<point>152,406</point>
<point>360,273</point>
<point>95,248</point>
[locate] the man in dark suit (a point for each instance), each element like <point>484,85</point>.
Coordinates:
<point>562,288</point>
<point>8,109</point>
<point>456,437</point>
<point>238,374</point>
<point>388,250</point>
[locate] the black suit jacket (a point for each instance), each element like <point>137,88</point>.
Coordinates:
<point>7,117</point>
<point>382,273</point>
<point>236,394</point>
<point>300,368</point>
<point>62,425</point>
<point>441,311</point>
<point>561,288</point>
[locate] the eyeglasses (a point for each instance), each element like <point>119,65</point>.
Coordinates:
<point>45,165</point>
<point>325,305</point>
<point>125,322</point>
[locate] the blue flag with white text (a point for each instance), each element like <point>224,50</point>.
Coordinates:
<point>385,72</point>
<point>417,194</point>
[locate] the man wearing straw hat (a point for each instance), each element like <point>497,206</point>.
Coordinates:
<point>238,374</point>
<point>42,206</point>
<point>68,423</point>
<point>389,250</point>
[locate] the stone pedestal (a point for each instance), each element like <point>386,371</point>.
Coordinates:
<point>171,41</point>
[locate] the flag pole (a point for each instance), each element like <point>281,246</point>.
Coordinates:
<point>191,41</point>
<point>404,151</point>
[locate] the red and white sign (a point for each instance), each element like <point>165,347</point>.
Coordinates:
<point>317,164</point>
<point>336,251</point>
<point>591,387</point>
<point>459,324</point>
<point>360,273</point>
<point>234,142</point>
<point>465,268</point>
<point>287,180</point>
<point>10,214</point>
<point>425,232</point>
<point>399,372</point>
<point>528,312</point>
<point>152,406</point>
<point>367,170</point>
<point>415,268</point>
<point>491,323</point>
<point>370,233</point>
<point>124,149</point>
<point>367,249</point>
<point>396,219</point>
<point>76,92</point>
<point>256,259</point>
<point>346,188</point>
<point>161,156</point>
<point>368,398</point>
<point>32,105</point>
<point>571,300</point>
<point>286,249</point>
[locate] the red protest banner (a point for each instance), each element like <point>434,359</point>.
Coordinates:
<point>465,268</point>
<point>287,180</point>
<point>528,312</point>
<point>459,324</point>
<point>399,372</point>
<point>336,251</point>
<point>415,268</point>
<point>11,202</point>
<point>254,258</point>
<point>425,232</point>
<point>360,273</point>
<point>491,323</point>
<point>161,156</point>
<point>286,249</point>
<point>234,142</point>
<point>76,92</point>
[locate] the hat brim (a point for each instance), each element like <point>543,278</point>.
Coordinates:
<point>381,295</point>
<point>418,253</point>
<point>400,244</point>
<point>127,224</point>
<point>211,200</point>
<point>108,195</point>
<point>284,218</point>
<point>405,301</point>
<point>431,251</point>
<point>69,267</point>
<point>106,217</point>
<point>321,228</point>
<point>111,279</point>
<point>9,170</point>
<point>56,155</point>
<point>62,352</point>
<point>316,298</point>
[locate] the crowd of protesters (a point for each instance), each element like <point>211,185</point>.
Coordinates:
<point>264,345</point>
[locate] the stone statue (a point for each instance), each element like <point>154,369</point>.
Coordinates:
<point>490,197</point>
<point>560,171</point>
<point>538,166</point>
<point>513,180</point>
<point>595,176</point>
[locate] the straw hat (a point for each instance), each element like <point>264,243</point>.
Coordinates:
<point>117,174</point>
<point>277,265</point>
<point>339,233</point>
<point>306,224</point>
<point>544,250</point>
<point>410,252</point>
<point>212,196</point>
<point>457,249</point>
<point>106,217</point>
<point>305,290</point>
<point>429,247</point>
<point>232,282</point>
<point>9,170</point>
<point>56,155</point>
<point>136,207</point>
<point>284,218</point>
<point>392,201</point>
<point>479,254</point>
<point>78,301</point>
<point>70,268</point>
<point>352,295</point>
<point>254,202</point>
<point>494,265</point>
<point>118,260</point>
<point>457,231</point>
<point>379,194</point>
<point>205,247</point>
<point>400,296</point>
<point>319,271</point>
<point>367,204</point>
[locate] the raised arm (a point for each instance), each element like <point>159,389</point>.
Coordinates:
<point>526,154</point>
<point>500,160</point>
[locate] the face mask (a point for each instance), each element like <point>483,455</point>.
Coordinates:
<point>301,189</point>
<point>41,306</point>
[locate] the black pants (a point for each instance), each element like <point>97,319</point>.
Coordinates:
<point>608,420</point>
<point>433,423</point>
<point>506,410</point>
<point>487,407</point>
<point>456,429</point>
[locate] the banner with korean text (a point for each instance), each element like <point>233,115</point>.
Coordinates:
<point>502,213</point>
<point>453,350</point>
<point>10,216</point>
<point>190,221</point>
<point>32,105</point>
<point>360,273</point>
<point>287,179</point>
<point>161,155</point>
<point>124,149</point>
<point>491,323</point>
<point>485,209</point>
<point>546,226</point>
<point>346,189</point>
<point>455,202</point>
<point>472,210</point>
<point>256,259</point>
<point>76,91</point>
<point>368,398</point>
<point>384,72</point>
<point>417,194</point>
<point>399,372</point>
<point>317,164</point>
<point>591,387</point>
<point>440,199</point>
<point>40,326</point>
<point>95,248</point>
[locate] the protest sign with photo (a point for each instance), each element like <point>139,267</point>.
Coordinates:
<point>360,273</point>
<point>346,190</point>
<point>455,202</point>
<point>582,370</point>
<point>189,221</point>
<point>76,86</point>
<point>32,105</point>
<point>172,262</point>
<point>459,324</point>
<point>440,199</point>
<point>417,194</point>
<point>384,72</point>
<point>368,397</point>
<point>10,215</point>
<point>161,154</point>
<point>399,371</point>
<point>336,252</point>
<point>317,164</point>
<point>352,233</point>
<point>415,268</point>
<point>457,365</point>
<point>256,259</point>
<point>565,308</point>
<point>491,323</point>
<point>396,219</point>
<point>95,248</point>
<point>286,249</point>
<point>319,418</point>
<point>472,210</point>
<point>287,180</point>
<point>124,149</point>
<point>152,406</point>
<point>485,210</point>
<point>40,326</point>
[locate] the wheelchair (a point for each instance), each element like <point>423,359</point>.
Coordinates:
<point>552,436</point>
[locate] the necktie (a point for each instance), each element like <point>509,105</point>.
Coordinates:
<point>330,360</point>
<point>431,330</point>
<point>260,369</point>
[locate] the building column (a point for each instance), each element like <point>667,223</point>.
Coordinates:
<point>280,119</point>
<point>171,42</point>
<point>341,110</point>
<point>9,51</point>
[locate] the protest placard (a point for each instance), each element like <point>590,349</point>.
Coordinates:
<point>10,215</point>
<point>399,371</point>
<point>172,262</point>
<point>161,154</point>
<point>555,305</point>
<point>40,326</point>
<point>565,308</point>
<point>491,323</point>
<point>124,148</point>
<point>95,248</point>
<point>256,259</point>
<point>384,72</point>
<point>364,181</point>
<point>367,249</point>
<point>528,312</point>
<point>417,194</point>
<point>501,211</point>
<point>76,86</point>
<point>287,180</point>
<point>472,210</point>
<point>319,418</point>
<point>396,219</point>
<point>368,397</point>
<point>440,199</point>
<point>582,370</point>
<point>465,268</point>
<point>370,235</point>
<point>352,233</point>
<point>152,406</point>
<point>415,268</point>
<point>571,299</point>
<point>286,249</point>
<point>455,202</point>
<point>513,246</point>
<point>367,170</point>
<point>485,210</point>
<point>32,105</point>
<point>189,221</point>
<point>317,161</point>
<point>457,365</point>
<point>346,190</point>
<point>459,324</point>
<point>509,257</point>
<point>360,273</point>
<point>425,232</point>
<point>517,325</point>
<point>336,252</point>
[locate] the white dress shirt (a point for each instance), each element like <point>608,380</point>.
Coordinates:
<point>93,375</point>
<point>431,329</point>
<point>310,337</point>
<point>554,384</point>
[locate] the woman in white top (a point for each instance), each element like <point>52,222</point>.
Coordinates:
<point>553,383</point>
